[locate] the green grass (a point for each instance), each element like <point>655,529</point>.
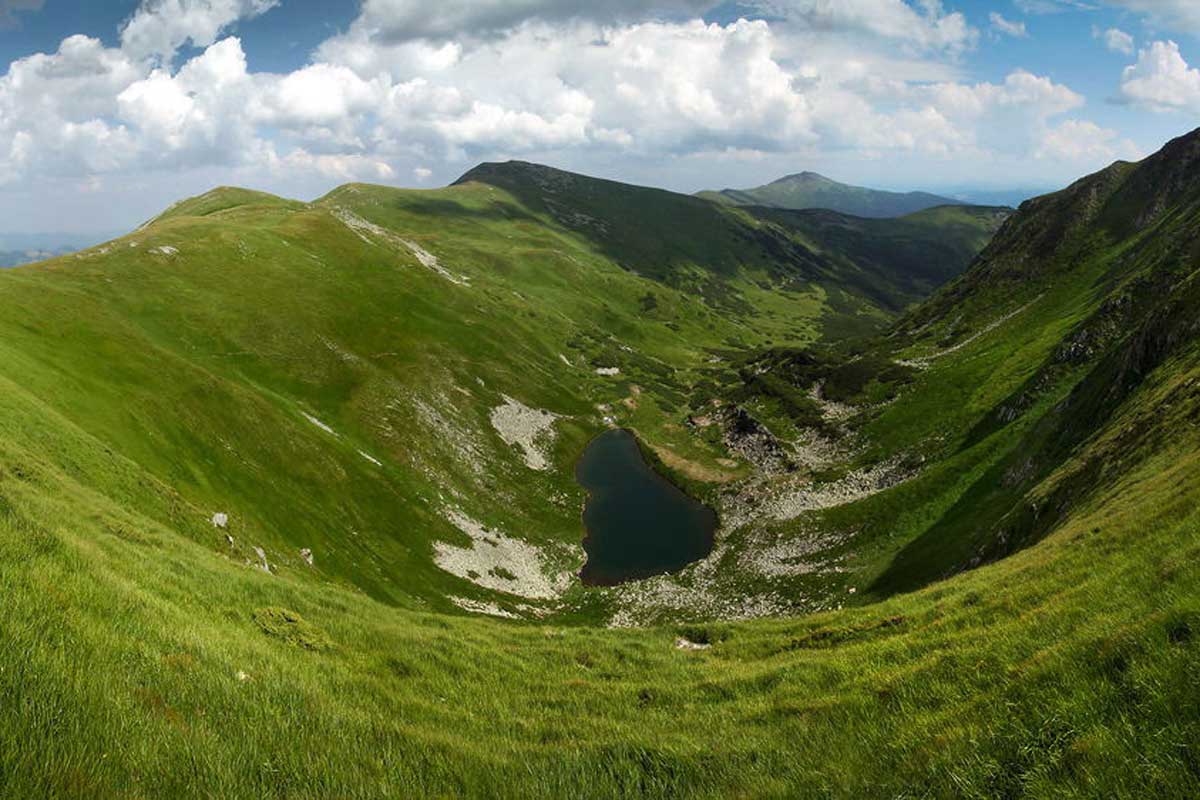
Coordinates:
<point>1061,667</point>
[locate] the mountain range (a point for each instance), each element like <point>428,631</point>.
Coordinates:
<point>288,502</point>
<point>808,190</point>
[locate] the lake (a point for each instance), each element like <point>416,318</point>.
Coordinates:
<point>638,523</point>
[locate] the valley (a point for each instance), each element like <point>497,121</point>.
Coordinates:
<point>290,490</point>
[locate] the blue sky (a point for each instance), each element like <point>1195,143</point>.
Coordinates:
<point>111,110</point>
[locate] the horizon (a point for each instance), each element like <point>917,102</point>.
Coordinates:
<point>108,115</point>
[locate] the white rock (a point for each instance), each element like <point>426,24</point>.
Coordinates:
<point>530,429</point>
<point>686,644</point>
<point>499,562</point>
<point>320,424</point>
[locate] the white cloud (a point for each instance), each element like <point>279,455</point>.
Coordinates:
<point>204,113</point>
<point>1037,96</point>
<point>923,23</point>
<point>1179,15</point>
<point>1161,80</point>
<point>1007,27</point>
<point>1115,40</point>
<point>337,167</point>
<point>1054,6</point>
<point>1081,141</point>
<point>395,21</point>
<point>160,27</point>
<point>863,78</point>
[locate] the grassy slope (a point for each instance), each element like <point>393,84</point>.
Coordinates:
<point>665,236</point>
<point>142,659</point>
<point>200,346</point>
<point>136,664</point>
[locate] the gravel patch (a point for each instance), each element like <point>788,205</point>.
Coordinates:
<point>855,486</point>
<point>799,555</point>
<point>530,429</point>
<point>498,562</point>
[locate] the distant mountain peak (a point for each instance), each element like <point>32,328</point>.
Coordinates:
<point>811,190</point>
<point>490,171</point>
<point>801,177</point>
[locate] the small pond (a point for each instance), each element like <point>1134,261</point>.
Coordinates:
<point>638,523</point>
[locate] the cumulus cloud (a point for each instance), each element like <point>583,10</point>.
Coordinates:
<point>1007,27</point>
<point>160,27</point>
<point>1161,80</point>
<point>1081,141</point>
<point>869,78</point>
<point>1115,40</point>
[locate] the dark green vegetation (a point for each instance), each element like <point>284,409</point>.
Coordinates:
<point>638,523</point>
<point>666,236</point>
<point>989,508</point>
<point>809,190</point>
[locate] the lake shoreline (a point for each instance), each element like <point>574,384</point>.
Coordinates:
<point>650,502</point>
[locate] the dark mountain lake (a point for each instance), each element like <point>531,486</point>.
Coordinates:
<point>638,523</point>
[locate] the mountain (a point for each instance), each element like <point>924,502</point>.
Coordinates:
<point>288,503</point>
<point>26,248</point>
<point>664,236</point>
<point>810,190</point>
<point>15,258</point>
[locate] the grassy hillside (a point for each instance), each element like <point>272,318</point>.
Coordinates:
<point>364,377</point>
<point>973,538</point>
<point>810,190</point>
<point>666,236</point>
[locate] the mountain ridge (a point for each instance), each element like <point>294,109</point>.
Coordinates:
<point>804,190</point>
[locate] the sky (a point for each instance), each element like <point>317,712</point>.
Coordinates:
<point>110,110</point>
